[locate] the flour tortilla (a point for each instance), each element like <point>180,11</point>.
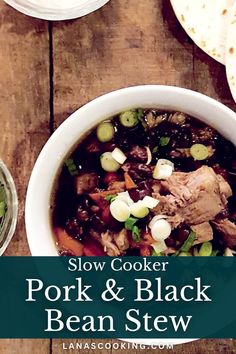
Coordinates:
<point>206,21</point>
<point>231,52</point>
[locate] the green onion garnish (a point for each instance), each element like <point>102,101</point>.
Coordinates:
<point>2,209</point>
<point>205,249</point>
<point>72,169</point>
<point>155,149</point>
<point>155,254</point>
<point>136,234</point>
<point>129,224</point>
<point>3,204</point>
<point>188,243</point>
<point>164,140</point>
<point>110,198</point>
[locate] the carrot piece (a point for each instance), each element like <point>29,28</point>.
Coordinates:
<point>68,243</point>
<point>102,194</point>
<point>129,183</point>
<point>99,197</point>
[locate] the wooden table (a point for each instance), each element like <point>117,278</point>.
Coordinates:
<point>48,70</point>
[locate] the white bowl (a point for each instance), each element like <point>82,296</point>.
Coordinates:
<point>9,221</point>
<point>37,211</point>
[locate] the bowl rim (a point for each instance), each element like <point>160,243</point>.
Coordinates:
<point>101,101</point>
<point>94,105</point>
<point>9,224</point>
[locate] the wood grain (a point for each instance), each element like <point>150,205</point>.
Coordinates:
<point>24,121</point>
<point>210,346</point>
<point>24,99</point>
<point>210,78</point>
<point>24,346</point>
<point>127,42</point>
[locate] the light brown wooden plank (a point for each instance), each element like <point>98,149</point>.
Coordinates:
<point>24,121</point>
<point>24,102</point>
<point>210,346</point>
<point>24,346</point>
<point>125,43</point>
<point>210,78</point>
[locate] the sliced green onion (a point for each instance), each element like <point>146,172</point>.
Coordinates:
<point>199,152</point>
<point>205,249</point>
<point>72,169</point>
<point>110,198</point>
<point>2,194</point>
<point>105,132</point>
<point>119,156</point>
<point>188,243</point>
<point>2,209</point>
<point>108,163</point>
<point>136,234</point>
<point>155,254</point>
<point>163,169</point>
<point>141,118</point>
<point>129,224</point>
<point>185,254</point>
<point>155,149</point>
<point>119,210</point>
<point>215,253</point>
<point>164,140</point>
<point>160,230</point>
<point>139,210</point>
<point>140,113</point>
<point>229,253</point>
<point>129,119</point>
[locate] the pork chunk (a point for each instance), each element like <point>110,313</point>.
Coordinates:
<point>109,247</point>
<point>196,197</point>
<point>138,171</point>
<point>227,231</point>
<point>203,232</point>
<point>138,153</point>
<point>86,183</point>
<point>121,240</point>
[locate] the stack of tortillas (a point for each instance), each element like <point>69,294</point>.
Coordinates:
<point>212,26</point>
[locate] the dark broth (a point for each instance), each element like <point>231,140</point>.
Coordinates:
<point>168,135</point>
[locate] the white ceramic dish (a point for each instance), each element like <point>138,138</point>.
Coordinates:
<point>8,223</point>
<point>37,212</point>
<point>56,14</point>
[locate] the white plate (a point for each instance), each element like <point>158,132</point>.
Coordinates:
<point>205,21</point>
<point>30,9</point>
<point>231,53</point>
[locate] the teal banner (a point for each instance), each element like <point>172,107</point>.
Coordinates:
<point>129,297</point>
